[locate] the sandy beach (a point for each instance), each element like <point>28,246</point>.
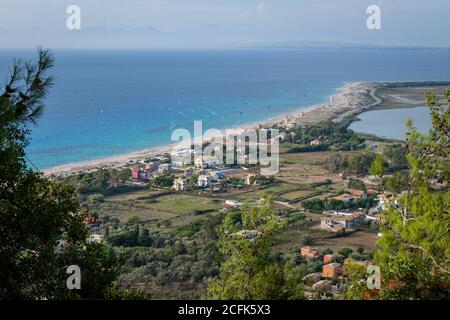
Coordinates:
<point>352,98</point>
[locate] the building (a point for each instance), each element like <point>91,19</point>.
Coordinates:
<point>305,250</point>
<point>310,253</point>
<point>315,143</point>
<point>342,221</point>
<point>139,174</point>
<point>312,278</point>
<point>233,203</point>
<point>346,198</point>
<point>203,181</point>
<point>199,164</point>
<point>143,176</point>
<point>95,238</point>
<point>180,184</point>
<point>386,200</point>
<point>248,234</point>
<point>328,258</point>
<point>206,162</point>
<point>164,168</point>
<point>331,270</point>
<point>358,194</point>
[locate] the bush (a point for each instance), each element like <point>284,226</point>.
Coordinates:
<point>346,252</point>
<point>315,205</point>
<point>356,184</point>
<point>95,198</point>
<point>308,148</point>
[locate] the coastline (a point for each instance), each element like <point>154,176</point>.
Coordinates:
<point>351,98</point>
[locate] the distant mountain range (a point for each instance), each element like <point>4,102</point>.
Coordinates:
<point>210,35</point>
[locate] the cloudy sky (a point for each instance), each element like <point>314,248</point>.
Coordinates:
<point>222,23</point>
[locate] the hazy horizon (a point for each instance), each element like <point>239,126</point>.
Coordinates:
<point>206,23</point>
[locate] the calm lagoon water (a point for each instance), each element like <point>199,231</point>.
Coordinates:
<point>391,123</point>
<point>108,102</point>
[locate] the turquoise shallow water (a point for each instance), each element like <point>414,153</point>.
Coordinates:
<point>109,102</point>
<point>391,123</point>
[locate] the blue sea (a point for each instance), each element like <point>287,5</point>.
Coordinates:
<point>109,102</point>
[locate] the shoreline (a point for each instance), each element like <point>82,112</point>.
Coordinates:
<point>351,98</point>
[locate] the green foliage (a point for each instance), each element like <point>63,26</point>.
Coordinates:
<point>319,205</point>
<point>163,181</point>
<point>377,169</point>
<point>355,280</point>
<point>334,163</point>
<point>331,135</point>
<point>396,183</point>
<point>249,272</point>
<point>308,148</point>
<point>360,164</point>
<point>356,184</point>
<point>100,181</point>
<point>36,212</point>
<point>95,198</point>
<point>395,156</point>
<point>190,229</point>
<point>315,205</point>
<point>346,252</point>
<point>414,251</point>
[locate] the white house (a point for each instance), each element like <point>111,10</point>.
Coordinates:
<point>203,181</point>
<point>206,162</point>
<point>164,168</point>
<point>233,203</point>
<point>179,184</point>
<point>95,238</point>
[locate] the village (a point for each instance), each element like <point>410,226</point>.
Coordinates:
<point>323,193</point>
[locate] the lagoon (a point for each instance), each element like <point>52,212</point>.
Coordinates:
<point>390,123</point>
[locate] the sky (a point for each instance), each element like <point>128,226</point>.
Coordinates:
<point>222,23</point>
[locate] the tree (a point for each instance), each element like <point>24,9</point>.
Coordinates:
<point>346,252</point>
<point>360,164</point>
<point>414,251</point>
<point>377,169</point>
<point>395,156</point>
<point>36,214</point>
<point>164,180</point>
<point>356,184</point>
<point>248,271</point>
<point>396,183</point>
<point>333,163</point>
